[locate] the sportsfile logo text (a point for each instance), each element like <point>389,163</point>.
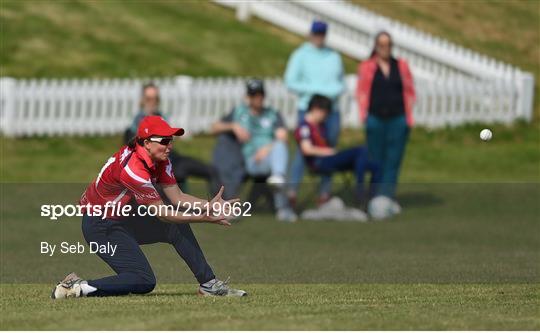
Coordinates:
<point>195,209</point>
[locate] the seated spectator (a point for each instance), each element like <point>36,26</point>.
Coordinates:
<point>263,136</point>
<point>325,160</point>
<point>183,166</point>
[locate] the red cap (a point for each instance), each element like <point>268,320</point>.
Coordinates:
<point>155,125</point>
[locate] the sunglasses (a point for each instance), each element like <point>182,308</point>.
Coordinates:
<point>161,140</point>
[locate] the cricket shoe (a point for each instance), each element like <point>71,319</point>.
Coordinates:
<point>219,288</point>
<point>70,286</point>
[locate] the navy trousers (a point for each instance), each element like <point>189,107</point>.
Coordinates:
<point>352,159</point>
<point>387,139</point>
<point>133,272</point>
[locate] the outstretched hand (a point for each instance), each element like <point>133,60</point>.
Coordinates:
<point>218,201</point>
<point>219,219</point>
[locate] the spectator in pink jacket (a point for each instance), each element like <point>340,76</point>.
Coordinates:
<point>385,95</point>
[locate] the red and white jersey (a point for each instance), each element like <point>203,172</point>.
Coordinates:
<point>128,174</point>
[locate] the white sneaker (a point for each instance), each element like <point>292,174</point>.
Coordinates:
<point>220,288</point>
<point>286,215</point>
<point>70,286</point>
<point>277,182</point>
<point>356,214</point>
<point>380,208</point>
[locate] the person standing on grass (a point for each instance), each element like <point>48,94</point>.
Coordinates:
<point>386,96</point>
<point>312,69</point>
<point>130,176</point>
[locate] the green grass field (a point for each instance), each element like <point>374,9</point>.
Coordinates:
<point>449,155</point>
<point>463,255</point>
<point>446,263</point>
<point>285,306</point>
<point>139,38</point>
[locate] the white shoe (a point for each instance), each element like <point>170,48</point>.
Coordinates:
<point>220,288</point>
<point>356,214</point>
<point>277,182</point>
<point>381,207</point>
<point>286,215</point>
<point>70,286</point>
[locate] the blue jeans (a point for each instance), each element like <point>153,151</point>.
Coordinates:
<point>133,272</point>
<point>332,127</point>
<point>386,139</point>
<point>275,163</point>
<point>352,159</point>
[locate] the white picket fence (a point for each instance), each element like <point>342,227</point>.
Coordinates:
<point>352,29</point>
<point>99,107</point>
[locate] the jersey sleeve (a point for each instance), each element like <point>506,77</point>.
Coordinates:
<point>165,173</point>
<point>138,182</point>
<point>303,132</point>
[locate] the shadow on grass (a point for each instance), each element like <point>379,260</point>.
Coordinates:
<point>172,293</point>
<point>419,199</point>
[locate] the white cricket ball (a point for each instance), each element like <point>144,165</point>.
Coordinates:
<point>486,134</point>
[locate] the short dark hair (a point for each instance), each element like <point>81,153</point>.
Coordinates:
<point>320,102</point>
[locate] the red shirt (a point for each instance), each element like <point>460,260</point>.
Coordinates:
<point>312,132</point>
<point>128,174</point>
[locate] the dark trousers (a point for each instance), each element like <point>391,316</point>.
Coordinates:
<point>133,272</point>
<point>386,139</point>
<point>352,159</point>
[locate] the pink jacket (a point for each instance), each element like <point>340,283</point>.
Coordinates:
<point>366,73</point>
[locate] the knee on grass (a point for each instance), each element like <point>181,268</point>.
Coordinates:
<point>143,284</point>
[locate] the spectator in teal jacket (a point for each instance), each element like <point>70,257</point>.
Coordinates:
<point>312,69</point>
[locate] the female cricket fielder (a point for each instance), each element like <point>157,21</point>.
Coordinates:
<point>129,175</point>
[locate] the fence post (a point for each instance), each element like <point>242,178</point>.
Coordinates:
<point>7,90</point>
<point>242,11</point>
<point>526,96</point>
<point>184,85</point>
<point>351,115</point>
